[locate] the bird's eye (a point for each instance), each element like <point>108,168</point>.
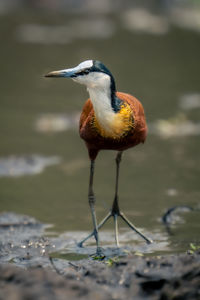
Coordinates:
<point>84,72</point>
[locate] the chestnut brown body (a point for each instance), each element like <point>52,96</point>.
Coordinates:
<point>132,137</point>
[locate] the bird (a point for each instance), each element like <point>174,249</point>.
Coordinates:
<point>110,120</point>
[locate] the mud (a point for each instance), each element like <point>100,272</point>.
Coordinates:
<point>33,266</point>
<point>172,277</point>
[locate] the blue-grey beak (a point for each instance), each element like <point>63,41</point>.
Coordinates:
<point>62,73</point>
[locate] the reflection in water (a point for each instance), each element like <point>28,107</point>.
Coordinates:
<point>57,122</point>
<point>176,126</point>
<point>187,17</point>
<point>28,165</point>
<point>190,101</point>
<point>143,21</point>
<point>136,20</point>
<point>98,28</point>
<point>172,192</point>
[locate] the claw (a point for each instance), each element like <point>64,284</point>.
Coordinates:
<point>99,255</point>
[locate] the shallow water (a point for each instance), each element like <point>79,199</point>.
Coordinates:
<point>162,70</point>
<point>25,242</point>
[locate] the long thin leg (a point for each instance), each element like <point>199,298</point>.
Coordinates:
<point>91,199</point>
<point>116,211</point>
<point>116,230</point>
<point>115,207</point>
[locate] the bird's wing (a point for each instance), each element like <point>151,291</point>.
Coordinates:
<point>87,109</point>
<point>140,127</point>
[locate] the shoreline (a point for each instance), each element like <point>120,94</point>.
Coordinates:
<point>166,277</point>
<point>34,267</point>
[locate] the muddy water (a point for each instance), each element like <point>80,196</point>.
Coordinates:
<point>38,119</point>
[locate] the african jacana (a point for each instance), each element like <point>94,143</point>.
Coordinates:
<point>109,120</point>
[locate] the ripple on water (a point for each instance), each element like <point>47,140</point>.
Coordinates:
<point>81,28</point>
<point>14,166</point>
<point>190,101</point>
<point>57,122</point>
<point>177,126</point>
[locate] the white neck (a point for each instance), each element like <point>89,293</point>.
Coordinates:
<point>100,97</point>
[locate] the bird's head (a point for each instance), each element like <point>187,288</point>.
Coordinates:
<point>91,73</point>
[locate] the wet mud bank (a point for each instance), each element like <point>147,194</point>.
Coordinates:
<point>33,266</point>
<point>171,277</point>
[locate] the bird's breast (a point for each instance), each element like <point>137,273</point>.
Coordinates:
<point>115,125</point>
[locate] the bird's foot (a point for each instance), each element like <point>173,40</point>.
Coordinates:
<point>80,244</point>
<point>148,240</point>
<point>99,255</point>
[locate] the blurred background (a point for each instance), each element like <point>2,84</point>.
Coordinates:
<point>153,50</point>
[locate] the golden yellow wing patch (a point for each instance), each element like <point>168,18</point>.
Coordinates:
<point>119,125</point>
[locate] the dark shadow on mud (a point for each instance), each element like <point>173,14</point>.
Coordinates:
<point>70,273</point>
